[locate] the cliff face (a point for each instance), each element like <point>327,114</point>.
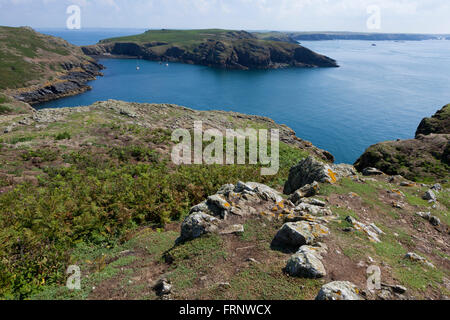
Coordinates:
<point>425,157</point>
<point>72,82</point>
<point>231,50</point>
<point>35,67</point>
<point>439,123</point>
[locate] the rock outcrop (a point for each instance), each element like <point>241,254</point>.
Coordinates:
<point>339,290</point>
<point>439,123</point>
<point>296,234</point>
<point>426,156</point>
<point>307,262</point>
<point>310,170</point>
<point>72,83</point>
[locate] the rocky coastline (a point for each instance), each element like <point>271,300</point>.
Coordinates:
<point>73,82</point>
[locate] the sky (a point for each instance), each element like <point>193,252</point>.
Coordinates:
<point>406,16</point>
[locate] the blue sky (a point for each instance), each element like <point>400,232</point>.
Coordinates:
<point>422,16</point>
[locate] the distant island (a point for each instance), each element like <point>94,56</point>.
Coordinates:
<point>227,49</point>
<point>294,37</point>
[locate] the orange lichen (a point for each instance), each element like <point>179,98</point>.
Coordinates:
<point>332,176</point>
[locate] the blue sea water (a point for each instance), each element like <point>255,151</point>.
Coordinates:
<point>379,93</point>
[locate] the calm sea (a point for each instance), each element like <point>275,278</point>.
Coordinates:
<point>379,93</point>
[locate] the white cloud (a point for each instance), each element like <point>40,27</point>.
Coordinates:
<point>397,15</point>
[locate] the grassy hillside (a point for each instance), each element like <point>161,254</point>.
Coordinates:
<point>175,36</point>
<point>29,58</point>
<point>94,186</point>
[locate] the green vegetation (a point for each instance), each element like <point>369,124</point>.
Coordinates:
<point>5,109</point>
<point>96,201</point>
<point>63,136</point>
<point>172,36</point>
<point>18,49</point>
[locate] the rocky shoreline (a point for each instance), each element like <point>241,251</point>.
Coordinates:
<point>70,84</point>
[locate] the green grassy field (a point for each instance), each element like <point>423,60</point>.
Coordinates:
<point>172,36</point>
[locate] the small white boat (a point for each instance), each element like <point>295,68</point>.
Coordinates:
<point>137,68</point>
<point>167,64</point>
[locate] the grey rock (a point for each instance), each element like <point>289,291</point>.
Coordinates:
<point>309,190</point>
<point>198,224</point>
<point>429,195</point>
<point>425,215</point>
<point>339,290</point>
<point>306,263</point>
<point>296,234</point>
<point>435,221</point>
<point>163,287</point>
<point>313,209</point>
<point>226,189</point>
<point>218,205</point>
<point>416,258</point>
<point>265,192</point>
<point>308,171</point>
<point>315,202</point>
<point>437,187</point>
<point>233,229</point>
<point>8,129</point>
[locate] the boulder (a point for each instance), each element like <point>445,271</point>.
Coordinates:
<point>315,202</point>
<point>308,171</point>
<point>416,258</point>
<point>435,221</point>
<point>306,263</point>
<point>437,187</point>
<point>162,287</point>
<point>198,224</point>
<point>264,192</point>
<point>372,231</point>
<point>226,189</point>
<point>339,290</point>
<point>313,209</point>
<point>218,205</point>
<point>296,234</point>
<point>309,190</point>
<point>215,205</point>
<point>429,195</point>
